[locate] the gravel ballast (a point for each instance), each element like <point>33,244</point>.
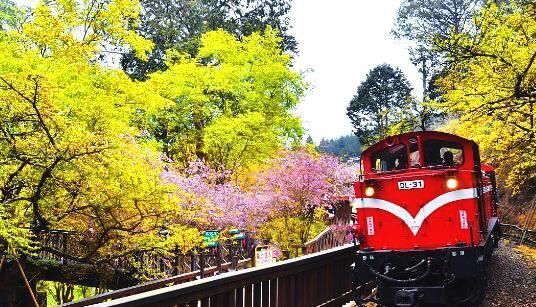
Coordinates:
<point>511,281</point>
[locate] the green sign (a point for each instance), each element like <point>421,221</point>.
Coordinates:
<point>237,234</point>
<point>210,238</point>
<point>234,231</point>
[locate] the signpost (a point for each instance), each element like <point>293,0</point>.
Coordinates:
<point>263,255</point>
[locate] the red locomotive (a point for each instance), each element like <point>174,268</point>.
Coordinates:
<point>426,221</point>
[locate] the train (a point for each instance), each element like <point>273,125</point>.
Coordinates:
<point>426,222</point>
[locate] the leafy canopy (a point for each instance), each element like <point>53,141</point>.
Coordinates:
<point>81,144</point>
<point>231,104</point>
<point>69,156</point>
<point>425,21</point>
<point>11,16</point>
<point>422,23</point>
<point>490,85</point>
<point>84,30</point>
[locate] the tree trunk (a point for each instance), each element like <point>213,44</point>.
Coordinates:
<point>13,290</point>
<point>199,142</point>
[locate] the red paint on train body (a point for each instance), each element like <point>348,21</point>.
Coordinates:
<point>418,200</point>
<point>426,221</point>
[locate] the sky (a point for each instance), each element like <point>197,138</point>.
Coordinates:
<point>339,42</point>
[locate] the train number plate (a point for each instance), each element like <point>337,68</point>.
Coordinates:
<point>413,184</point>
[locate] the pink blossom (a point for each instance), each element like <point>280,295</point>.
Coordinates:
<point>300,182</point>
<point>226,204</point>
<point>295,184</point>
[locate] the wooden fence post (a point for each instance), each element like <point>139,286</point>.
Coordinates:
<point>176,261</point>
<point>193,264</point>
<point>218,261</point>
<point>201,264</point>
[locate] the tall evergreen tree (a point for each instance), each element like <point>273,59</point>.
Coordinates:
<point>379,103</point>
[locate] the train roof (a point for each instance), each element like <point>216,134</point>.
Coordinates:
<point>441,135</point>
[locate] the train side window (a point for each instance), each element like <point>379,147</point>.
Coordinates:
<point>414,156</point>
<point>442,153</point>
<point>390,159</point>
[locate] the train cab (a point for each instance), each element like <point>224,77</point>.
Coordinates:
<point>422,198</point>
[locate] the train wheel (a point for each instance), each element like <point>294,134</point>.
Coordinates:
<point>469,292</point>
<point>480,293</point>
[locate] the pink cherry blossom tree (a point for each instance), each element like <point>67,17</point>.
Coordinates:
<point>218,202</point>
<point>301,182</point>
<point>286,197</point>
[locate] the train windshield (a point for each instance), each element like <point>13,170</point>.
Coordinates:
<point>390,159</point>
<point>442,153</point>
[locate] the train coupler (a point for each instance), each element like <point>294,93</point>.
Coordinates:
<point>406,297</point>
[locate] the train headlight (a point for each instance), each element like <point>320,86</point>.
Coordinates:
<point>452,183</point>
<point>369,191</point>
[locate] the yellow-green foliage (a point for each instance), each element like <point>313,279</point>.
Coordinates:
<point>231,104</point>
<point>490,85</point>
<point>241,141</point>
<point>79,141</point>
<point>69,155</point>
<point>288,230</point>
<point>59,293</point>
<point>12,235</point>
<point>80,29</point>
<point>529,253</point>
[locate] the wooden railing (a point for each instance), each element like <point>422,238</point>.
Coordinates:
<point>165,282</point>
<point>179,263</point>
<point>174,263</point>
<point>333,236</point>
<point>320,279</point>
<point>330,237</point>
<point>61,240</point>
<point>519,235</point>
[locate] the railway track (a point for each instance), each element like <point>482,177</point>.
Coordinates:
<point>511,280</point>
